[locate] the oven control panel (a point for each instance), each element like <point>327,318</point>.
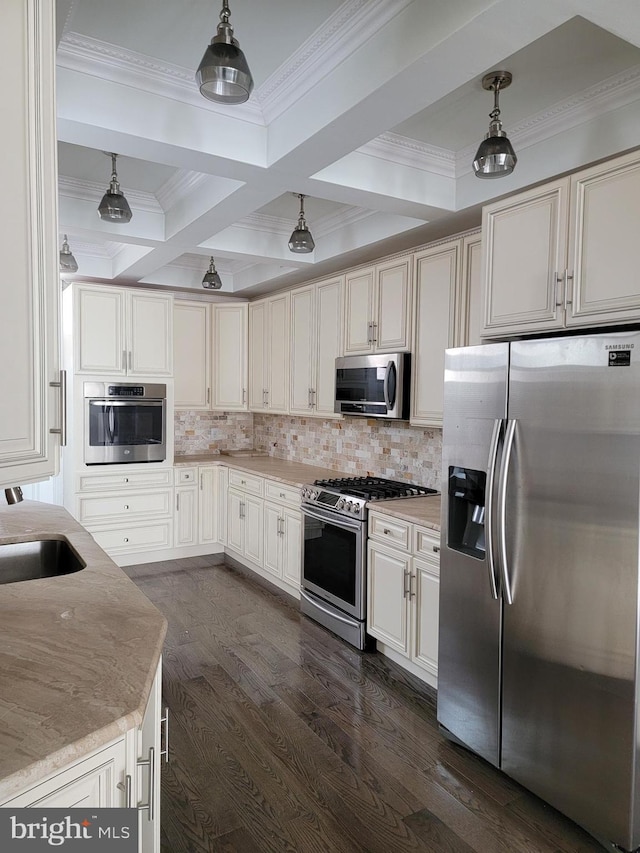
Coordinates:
<point>334,501</point>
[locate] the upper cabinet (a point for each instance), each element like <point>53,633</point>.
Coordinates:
<point>229,369</point>
<point>563,254</point>
<point>191,355</point>
<point>269,354</point>
<point>316,342</point>
<point>122,332</point>
<point>29,319</point>
<point>378,308</point>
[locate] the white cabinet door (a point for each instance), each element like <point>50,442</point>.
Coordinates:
<point>235,521</point>
<point>303,350</point>
<point>392,321</point>
<point>436,282</point>
<point>272,561</point>
<point>30,288</point>
<point>253,524</point>
<point>186,516</point>
<point>149,757</point>
<point>229,354</point>
<point>329,296</point>
<point>359,311</point>
<point>603,250</point>
<point>292,547</point>
<point>150,333</point>
<point>388,582</point>
<point>426,583</point>
<point>191,355</point>
<point>277,341</point>
<point>99,328</point>
<point>468,328</point>
<point>208,505</point>
<point>524,258</point>
<point>258,367</point>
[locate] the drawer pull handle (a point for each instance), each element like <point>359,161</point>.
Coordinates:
<point>282,495</point>
<point>436,548</point>
<point>151,764</point>
<point>386,531</point>
<point>126,787</point>
<point>165,721</point>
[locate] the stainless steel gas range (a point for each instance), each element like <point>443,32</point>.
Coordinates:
<point>334,569</point>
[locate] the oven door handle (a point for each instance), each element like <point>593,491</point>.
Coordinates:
<point>339,521</point>
<point>132,401</point>
<point>332,613</point>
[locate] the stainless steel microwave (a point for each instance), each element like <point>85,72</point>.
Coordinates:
<point>374,386</point>
<point>124,422</point>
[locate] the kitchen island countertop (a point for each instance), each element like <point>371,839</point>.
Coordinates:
<point>78,655</point>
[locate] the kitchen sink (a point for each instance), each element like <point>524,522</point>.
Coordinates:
<point>42,558</point>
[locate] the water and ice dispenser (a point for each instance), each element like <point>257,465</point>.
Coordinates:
<point>466,495</point>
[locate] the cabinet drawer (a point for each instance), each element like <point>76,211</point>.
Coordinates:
<point>140,537</point>
<point>426,544</point>
<point>186,476</point>
<point>140,505</point>
<point>383,528</point>
<point>122,481</point>
<point>246,482</point>
<point>282,493</point>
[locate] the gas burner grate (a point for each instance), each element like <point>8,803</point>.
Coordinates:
<point>374,488</point>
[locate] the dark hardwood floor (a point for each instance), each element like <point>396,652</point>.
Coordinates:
<point>283,738</point>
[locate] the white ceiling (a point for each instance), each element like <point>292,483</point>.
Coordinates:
<point>373,108</point>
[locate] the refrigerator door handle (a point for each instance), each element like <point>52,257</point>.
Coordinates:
<point>490,501</point>
<point>507,592</point>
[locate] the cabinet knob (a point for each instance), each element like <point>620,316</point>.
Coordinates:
<point>386,531</point>
<point>282,495</point>
<point>126,479</point>
<point>436,548</point>
<point>126,539</point>
<point>126,506</point>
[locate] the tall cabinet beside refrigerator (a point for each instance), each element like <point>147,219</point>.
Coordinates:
<point>538,661</point>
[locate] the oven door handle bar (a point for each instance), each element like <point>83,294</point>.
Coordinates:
<point>332,613</point>
<point>332,518</point>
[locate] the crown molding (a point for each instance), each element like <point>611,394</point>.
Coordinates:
<point>178,187</point>
<point>349,27</point>
<point>93,192</point>
<point>126,67</point>
<point>103,252</point>
<point>412,153</point>
<point>611,94</point>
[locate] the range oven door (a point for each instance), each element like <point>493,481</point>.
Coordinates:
<point>333,566</point>
<point>124,431</point>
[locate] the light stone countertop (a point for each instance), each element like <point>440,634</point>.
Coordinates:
<point>424,510</point>
<point>78,655</point>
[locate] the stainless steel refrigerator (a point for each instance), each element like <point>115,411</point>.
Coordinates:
<point>539,612</point>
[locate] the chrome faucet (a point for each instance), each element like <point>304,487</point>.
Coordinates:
<point>13,495</point>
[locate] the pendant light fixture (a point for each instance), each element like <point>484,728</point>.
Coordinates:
<point>301,240</point>
<point>223,75</point>
<point>495,156</point>
<point>212,280</point>
<point>67,262</point>
<point>114,207</point>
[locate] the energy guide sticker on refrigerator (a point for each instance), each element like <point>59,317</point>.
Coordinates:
<point>539,590</point>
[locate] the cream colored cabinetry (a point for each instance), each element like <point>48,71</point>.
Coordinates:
<point>185,524</point>
<point>29,292</point>
<point>269,354</point>
<point>446,315</point>
<point>229,346</point>
<point>282,532</point>
<point>316,342</point>
<point>563,255</point>
<point>122,774</point>
<point>208,504</point>
<point>122,332</point>
<point>127,513</point>
<point>403,591</point>
<point>192,355</point>
<point>377,312</point>
<point>245,512</point>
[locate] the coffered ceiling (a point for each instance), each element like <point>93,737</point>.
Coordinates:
<point>373,108</point>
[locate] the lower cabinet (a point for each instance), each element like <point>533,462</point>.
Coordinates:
<point>403,578</point>
<point>122,774</point>
<point>244,525</point>
<point>283,532</point>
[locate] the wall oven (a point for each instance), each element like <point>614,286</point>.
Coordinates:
<point>124,423</point>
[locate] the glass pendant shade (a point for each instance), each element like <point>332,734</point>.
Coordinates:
<point>114,207</point>
<point>223,74</point>
<point>495,156</point>
<point>212,280</point>
<point>67,262</point>
<point>301,240</point>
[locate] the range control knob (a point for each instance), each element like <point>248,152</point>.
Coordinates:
<point>341,503</point>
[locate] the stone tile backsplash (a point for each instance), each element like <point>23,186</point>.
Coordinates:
<point>354,446</point>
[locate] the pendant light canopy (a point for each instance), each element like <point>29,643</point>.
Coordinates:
<point>223,75</point>
<point>212,280</point>
<point>67,262</point>
<point>495,156</point>
<point>301,240</point>
<point>114,207</point>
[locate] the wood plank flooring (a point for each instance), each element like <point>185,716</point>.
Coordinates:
<point>283,738</point>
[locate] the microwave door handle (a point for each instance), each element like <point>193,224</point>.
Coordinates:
<point>387,374</point>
